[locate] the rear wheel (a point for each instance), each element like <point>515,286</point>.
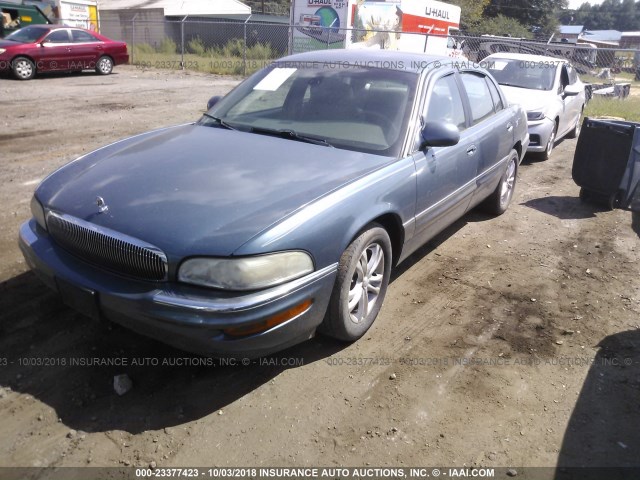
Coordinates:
<point>363,276</point>
<point>498,202</point>
<point>104,65</point>
<point>23,68</point>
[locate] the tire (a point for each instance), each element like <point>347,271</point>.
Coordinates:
<point>498,202</point>
<point>575,132</point>
<point>550,144</point>
<point>104,65</point>
<point>366,262</point>
<point>23,68</point>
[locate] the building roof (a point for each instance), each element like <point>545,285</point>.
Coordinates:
<point>601,35</point>
<point>570,29</point>
<point>181,8</point>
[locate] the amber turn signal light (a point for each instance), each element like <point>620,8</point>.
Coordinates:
<point>269,322</point>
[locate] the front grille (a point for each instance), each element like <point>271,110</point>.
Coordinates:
<point>106,248</point>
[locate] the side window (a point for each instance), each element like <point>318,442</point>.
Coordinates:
<point>445,104</point>
<point>495,95</point>
<point>58,36</point>
<point>80,36</point>
<point>479,96</point>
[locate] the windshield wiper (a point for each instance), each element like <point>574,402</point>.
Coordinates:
<point>504,84</point>
<point>221,122</point>
<point>292,134</point>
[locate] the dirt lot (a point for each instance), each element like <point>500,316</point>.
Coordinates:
<point>507,342</point>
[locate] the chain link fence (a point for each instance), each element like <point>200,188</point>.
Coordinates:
<point>240,48</point>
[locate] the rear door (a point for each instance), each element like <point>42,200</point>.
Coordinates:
<point>493,127</point>
<point>85,49</point>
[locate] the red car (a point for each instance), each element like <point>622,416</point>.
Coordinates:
<point>49,48</point>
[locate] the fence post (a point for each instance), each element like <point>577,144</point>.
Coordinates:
<point>244,49</point>
<point>133,37</point>
<point>182,42</point>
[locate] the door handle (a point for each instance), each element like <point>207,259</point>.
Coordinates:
<point>509,127</point>
<point>471,150</point>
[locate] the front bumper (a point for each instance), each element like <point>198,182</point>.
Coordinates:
<point>187,317</point>
<point>539,133</point>
<point>5,63</point>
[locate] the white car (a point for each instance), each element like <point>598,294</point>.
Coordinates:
<point>548,89</point>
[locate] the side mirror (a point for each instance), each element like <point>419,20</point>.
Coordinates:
<point>437,134</point>
<point>570,91</point>
<point>212,101</point>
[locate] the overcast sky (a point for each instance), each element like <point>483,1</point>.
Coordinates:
<point>576,3</point>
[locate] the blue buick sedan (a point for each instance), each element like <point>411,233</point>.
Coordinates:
<point>282,211</point>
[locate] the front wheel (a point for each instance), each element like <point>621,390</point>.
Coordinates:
<point>575,131</point>
<point>498,202</point>
<point>363,277</point>
<point>104,65</point>
<point>23,68</point>
<point>550,144</point>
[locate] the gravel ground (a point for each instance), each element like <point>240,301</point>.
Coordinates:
<point>505,342</point>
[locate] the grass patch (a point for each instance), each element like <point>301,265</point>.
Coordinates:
<point>627,77</point>
<point>212,62</point>
<point>622,77</point>
<point>225,60</point>
<point>628,108</point>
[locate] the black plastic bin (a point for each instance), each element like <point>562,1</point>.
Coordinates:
<point>606,164</point>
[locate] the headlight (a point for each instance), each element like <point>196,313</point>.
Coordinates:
<point>535,115</point>
<point>2,50</point>
<point>38,212</point>
<point>249,273</point>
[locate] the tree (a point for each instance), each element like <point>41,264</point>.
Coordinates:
<point>623,15</point>
<point>541,14</point>
<point>503,26</point>
<point>472,11</point>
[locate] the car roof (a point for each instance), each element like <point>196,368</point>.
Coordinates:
<point>386,59</point>
<point>526,57</point>
<point>52,27</point>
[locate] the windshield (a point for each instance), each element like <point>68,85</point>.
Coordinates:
<point>531,74</point>
<point>354,108</point>
<point>27,35</point>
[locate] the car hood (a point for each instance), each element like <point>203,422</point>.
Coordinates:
<point>529,99</point>
<point>196,190</point>
<point>9,43</point>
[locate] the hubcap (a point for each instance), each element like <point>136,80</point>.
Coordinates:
<point>509,182</point>
<point>23,69</point>
<point>366,282</point>
<point>104,66</point>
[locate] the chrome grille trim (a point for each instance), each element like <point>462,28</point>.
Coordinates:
<point>107,248</point>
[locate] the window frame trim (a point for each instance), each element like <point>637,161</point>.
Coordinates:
<point>478,73</point>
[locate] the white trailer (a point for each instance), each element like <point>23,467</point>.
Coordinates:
<point>407,25</point>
